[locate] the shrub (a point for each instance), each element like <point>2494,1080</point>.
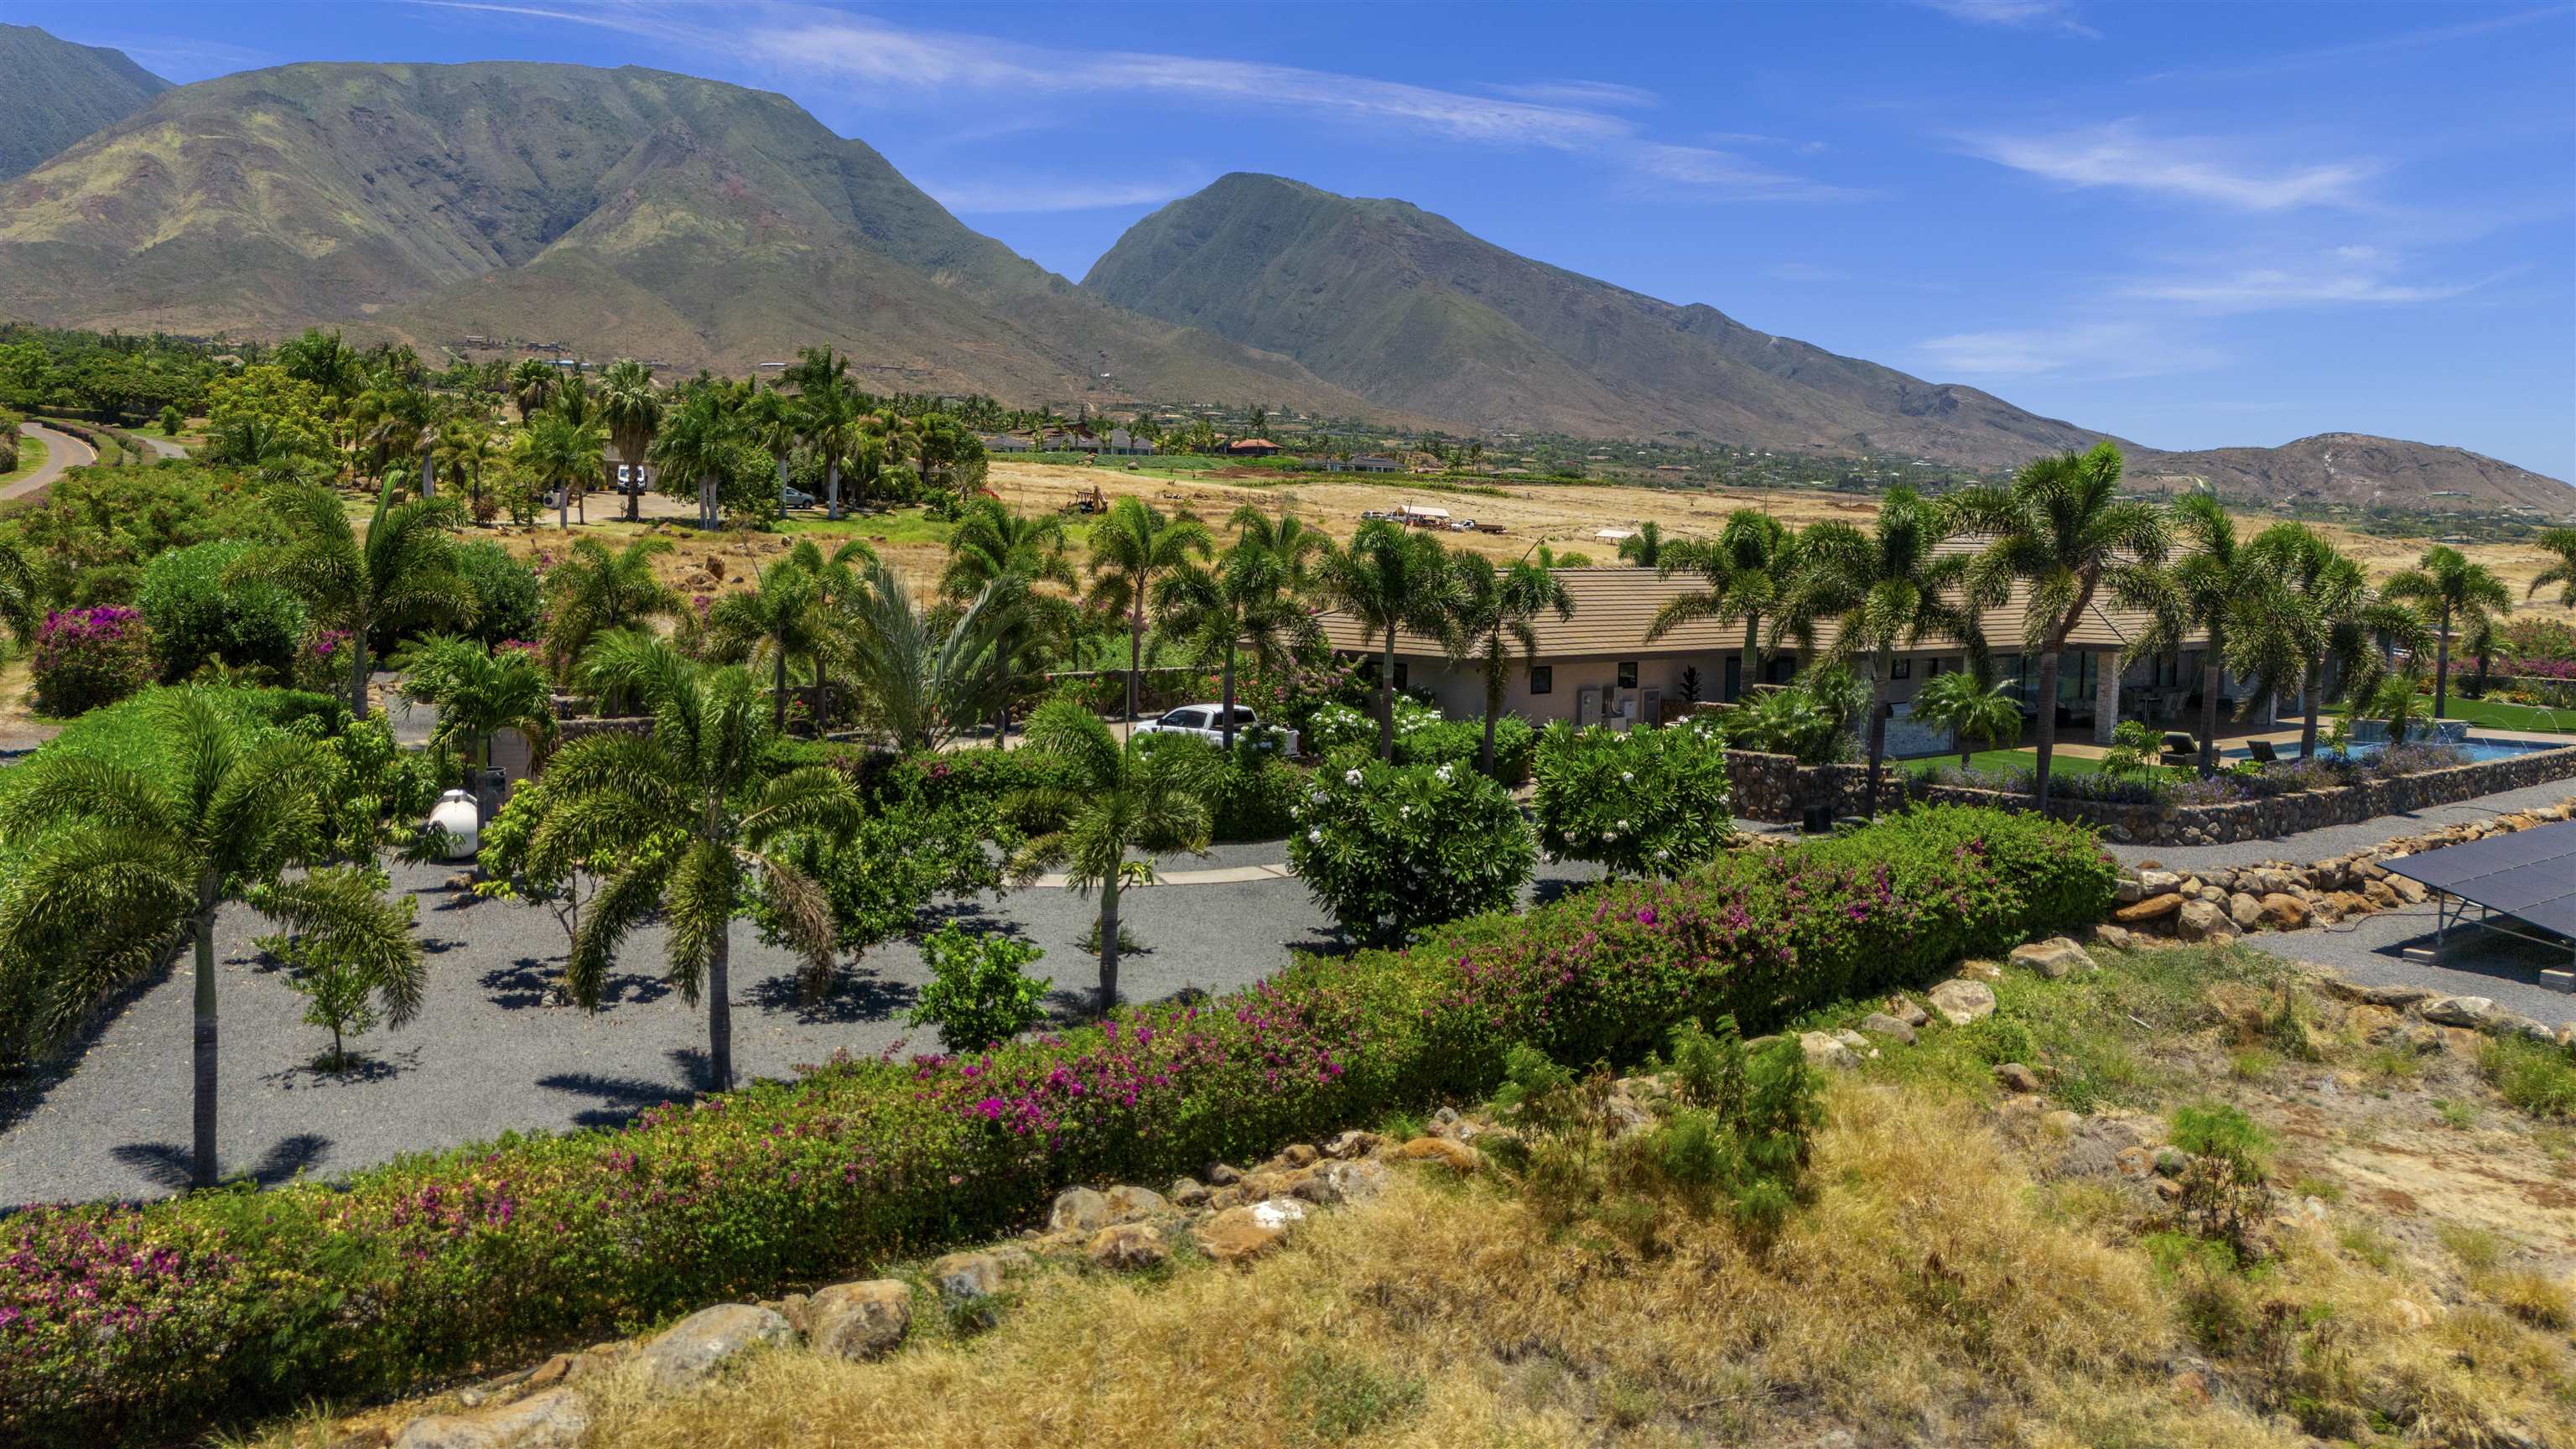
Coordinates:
<point>978,994</point>
<point>1642,802</point>
<point>199,610</point>
<point>509,600</point>
<point>2537,1077</point>
<point>1424,737</point>
<point>89,657</point>
<point>1389,849</point>
<point>1251,793</point>
<point>134,1323</point>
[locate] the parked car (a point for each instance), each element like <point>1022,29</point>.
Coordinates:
<point>1207,722</point>
<point>795,498</point>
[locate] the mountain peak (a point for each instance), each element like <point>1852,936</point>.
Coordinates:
<point>62,92</point>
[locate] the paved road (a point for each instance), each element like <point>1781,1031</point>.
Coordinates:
<point>62,452</point>
<point>160,446</point>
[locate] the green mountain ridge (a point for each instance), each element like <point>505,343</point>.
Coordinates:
<point>58,92</point>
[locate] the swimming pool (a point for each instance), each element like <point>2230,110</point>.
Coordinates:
<point>2480,749</point>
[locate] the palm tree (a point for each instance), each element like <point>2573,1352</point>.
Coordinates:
<point>697,782</point>
<point>632,410</point>
<point>2063,530</point>
<point>992,543</point>
<point>2560,545</point>
<point>1245,599</point>
<point>1133,549</point>
<point>532,385</point>
<point>468,447</point>
<point>2202,591</point>
<point>594,591</point>
<point>1496,610</point>
<point>1122,797</point>
<point>1391,578</point>
<point>2479,641</point>
<point>20,591</point>
<point>775,422</point>
<point>1975,706</point>
<point>402,573</point>
<point>2309,623</point>
<point>924,677</point>
<point>697,440</point>
<point>117,855</point>
<point>1748,568</point>
<point>779,619</point>
<point>832,425</point>
<point>1883,591</point>
<point>2451,590</point>
<point>478,692</point>
<point>561,454</point>
<point>1645,548</point>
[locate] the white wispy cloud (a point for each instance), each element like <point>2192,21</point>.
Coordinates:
<point>2102,351</point>
<point>991,195</point>
<point>2054,15</point>
<point>2122,154</point>
<point>2346,275</point>
<point>874,56</point>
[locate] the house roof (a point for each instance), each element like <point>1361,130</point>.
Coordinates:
<point>1613,607</point>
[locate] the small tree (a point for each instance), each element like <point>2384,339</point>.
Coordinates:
<point>978,993</point>
<point>1640,802</point>
<point>345,974</point>
<point>1974,706</point>
<point>1389,849</point>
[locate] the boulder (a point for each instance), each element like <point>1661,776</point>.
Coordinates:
<point>1332,1182</point>
<point>2116,938</point>
<point>2412,892</point>
<point>1905,1009</point>
<point>962,1277</point>
<point>2153,908</point>
<point>1220,1175</point>
<point>2395,998</point>
<point>1824,1051</point>
<point>2199,920</point>
<point>2468,1011</point>
<point>2245,911</point>
<point>1189,1192</point>
<point>2052,958</point>
<point>689,1352</point>
<point>1887,1026</point>
<point>1962,1001</point>
<point>2280,911</point>
<point>2014,1077</point>
<point>1128,1246</point>
<point>1292,1157</point>
<point>859,1320</point>
<point>2061,1122</point>
<point>2380,894</point>
<point>1128,1204</point>
<point>1239,1235</point>
<point>1078,1210</point>
<point>555,1419</point>
<point>1454,1155</point>
<point>2153,882</point>
<point>1981,971</point>
<point>1352,1144</point>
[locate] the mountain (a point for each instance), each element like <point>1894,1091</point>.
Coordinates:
<point>60,92</point>
<point>623,212</point>
<point>2358,470</point>
<point>1409,309</point>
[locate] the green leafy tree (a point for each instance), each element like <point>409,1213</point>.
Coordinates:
<point>2453,593</point>
<point>1133,549</point>
<point>695,446</point>
<point>979,993</point>
<point>1497,608</point>
<point>1883,592</point>
<point>2560,545</point>
<point>1121,797</point>
<point>773,420</point>
<point>1390,578</point>
<point>1747,570</point>
<point>344,975</point>
<point>401,573</point>
<point>693,814</point>
<point>2062,532</point>
<point>1973,705</point>
<point>632,410</point>
<point>117,855</point>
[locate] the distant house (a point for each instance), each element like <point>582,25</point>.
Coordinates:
<point>1375,463</point>
<point>1252,448</point>
<point>1007,443</point>
<point>1423,515</point>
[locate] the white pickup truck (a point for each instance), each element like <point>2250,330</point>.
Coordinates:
<point>1207,722</point>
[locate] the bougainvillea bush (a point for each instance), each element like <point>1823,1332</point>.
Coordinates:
<point>89,657</point>
<point>120,1323</point>
<point>1639,802</point>
<point>1389,849</point>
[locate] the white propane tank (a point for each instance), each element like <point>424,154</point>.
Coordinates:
<point>456,814</point>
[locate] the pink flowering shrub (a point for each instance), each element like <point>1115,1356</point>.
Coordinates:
<point>129,1324</point>
<point>89,657</point>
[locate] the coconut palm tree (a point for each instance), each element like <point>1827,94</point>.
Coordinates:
<point>2201,593</point>
<point>1645,548</point>
<point>1883,591</point>
<point>1748,569</point>
<point>1975,706</point>
<point>632,410</point>
<point>992,543</point>
<point>1122,797</point>
<point>1391,578</point>
<point>468,448</point>
<point>2310,623</point>
<point>1213,613</point>
<point>780,620</point>
<point>832,424</point>
<point>1133,549</point>
<point>696,441</point>
<point>116,855</point>
<point>594,591</point>
<point>2063,531</point>
<point>697,782</point>
<point>20,591</point>
<point>2560,545</point>
<point>478,692</point>
<point>532,385</point>
<point>1496,610</point>
<point>402,573</point>
<point>2451,591</point>
<point>560,454</point>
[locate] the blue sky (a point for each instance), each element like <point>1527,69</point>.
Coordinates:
<point>2190,224</point>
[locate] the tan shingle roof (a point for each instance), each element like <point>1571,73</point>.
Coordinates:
<point>1613,607</point>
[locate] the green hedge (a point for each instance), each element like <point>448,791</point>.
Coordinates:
<point>122,1323</point>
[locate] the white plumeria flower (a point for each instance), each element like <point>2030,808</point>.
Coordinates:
<point>1318,797</point>
<point>1623,824</point>
<point>1628,776</point>
<point>1316,836</point>
<point>1350,777</point>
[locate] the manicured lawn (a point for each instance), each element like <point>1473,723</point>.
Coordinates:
<point>2063,763</point>
<point>2494,714</point>
<point>31,456</point>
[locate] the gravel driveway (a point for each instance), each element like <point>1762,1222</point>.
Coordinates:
<point>486,1055</point>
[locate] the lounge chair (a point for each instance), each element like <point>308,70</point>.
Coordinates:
<point>2262,752</point>
<point>2180,746</point>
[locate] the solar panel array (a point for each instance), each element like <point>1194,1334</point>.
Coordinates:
<point>2529,874</point>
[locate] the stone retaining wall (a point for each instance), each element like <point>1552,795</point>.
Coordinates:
<point>1776,788</point>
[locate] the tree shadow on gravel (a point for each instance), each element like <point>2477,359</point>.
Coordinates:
<point>621,1099</point>
<point>356,1068</point>
<point>854,995</point>
<point>166,1163</point>
<point>534,980</point>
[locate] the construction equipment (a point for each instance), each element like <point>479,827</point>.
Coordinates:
<point>1087,500</point>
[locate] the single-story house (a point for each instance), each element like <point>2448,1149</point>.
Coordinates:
<point>1598,666</point>
<point>1375,463</point>
<point>1007,443</point>
<point>1251,448</point>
